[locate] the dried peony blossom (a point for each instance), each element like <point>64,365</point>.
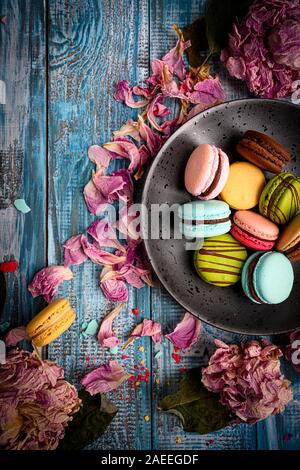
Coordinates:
<point>263,49</point>
<point>73,251</point>
<point>14,336</point>
<point>292,351</point>
<point>186,332</point>
<point>47,280</point>
<point>105,378</point>
<point>248,379</point>
<point>106,335</point>
<point>146,328</point>
<point>36,403</point>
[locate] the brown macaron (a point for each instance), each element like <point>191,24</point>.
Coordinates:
<point>263,151</point>
<point>289,240</point>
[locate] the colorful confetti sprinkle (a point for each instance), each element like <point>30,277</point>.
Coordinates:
<point>9,266</point>
<point>157,380</point>
<point>135,311</point>
<point>141,348</point>
<point>90,328</point>
<point>114,350</point>
<point>176,358</point>
<point>124,356</point>
<point>178,440</point>
<point>21,206</point>
<point>142,362</point>
<point>147,418</point>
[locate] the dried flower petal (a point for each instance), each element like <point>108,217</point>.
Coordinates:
<point>113,289</point>
<point>94,199</point>
<point>106,335</point>
<point>126,149</point>
<point>16,335</point>
<point>46,281</point>
<point>73,251</point>
<point>104,234</point>
<point>99,156</point>
<point>186,332</point>
<point>131,129</point>
<point>105,378</point>
<point>98,256</point>
<point>146,328</point>
<point>124,94</point>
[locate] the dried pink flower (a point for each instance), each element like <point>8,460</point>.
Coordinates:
<point>248,379</point>
<point>36,403</point>
<point>14,336</point>
<point>263,49</point>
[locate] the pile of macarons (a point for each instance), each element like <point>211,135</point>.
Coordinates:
<point>250,226</point>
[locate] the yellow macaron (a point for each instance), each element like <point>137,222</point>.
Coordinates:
<point>244,186</point>
<point>51,322</point>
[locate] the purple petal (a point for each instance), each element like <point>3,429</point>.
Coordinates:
<point>174,58</point>
<point>99,156</point>
<point>113,289</point>
<point>47,280</point>
<point>186,332</point>
<point>94,199</point>
<point>124,94</point>
<point>208,92</point>
<point>73,251</point>
<point>125,149</point>
<point>146,328</point>
<point>98,256</point>
<point>104,234</point>
<point>105,378</point>
<point>106,335</point>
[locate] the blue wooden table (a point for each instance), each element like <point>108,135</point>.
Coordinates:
<point>60,61</point>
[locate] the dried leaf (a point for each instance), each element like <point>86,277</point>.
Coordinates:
<point>199,410</point>
<point>89,423</point>
<point>220,15</point>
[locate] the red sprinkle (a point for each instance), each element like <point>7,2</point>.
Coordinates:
<point>87,359</point>
<point>124,357</point>
<point>135,311</point>
<point>136,367</point>
<point>176,358</point>
<point>182,370</point>
<point>147,373</point>
<point>9,266</point>
<point>176,349</point>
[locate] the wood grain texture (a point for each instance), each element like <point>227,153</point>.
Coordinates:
<point>93,44</point>
<point>22,150</point>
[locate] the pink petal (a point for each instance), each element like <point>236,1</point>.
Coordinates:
<point>186,332</point>
<point>109,186</point>
<point>152,139</point>
<point>104,234</point>
<point>126,193</point>
<point>125,149</point>
<point>94,199</point>
<point>208,91</point>
<point>129,222</point>
<point>106,335</point>
<point>174,58</point>
<point>16,335</point>
<point>73,251</point>
<point>146,328</point>
<point>144,154</point>
<point>47,280</point>
<point>99,156</point>
<point>105,378</point>
<point>99,256</point>
<point>142,91</point>
<point>131,129</point>
<point>113,289</point>
<point>124,94</point>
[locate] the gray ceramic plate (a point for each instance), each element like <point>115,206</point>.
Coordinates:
<point>226,307</point>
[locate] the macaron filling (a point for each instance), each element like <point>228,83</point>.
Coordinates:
<point>251,287</point>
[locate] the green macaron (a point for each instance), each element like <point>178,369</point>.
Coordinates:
<point>220,260</point>
<point>280,199</point>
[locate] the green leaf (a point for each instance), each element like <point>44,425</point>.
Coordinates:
<point>199,410</point>
<point>89,423</point>
<point>2,292</point>
<point>220,16</point>
<point>196,33</point>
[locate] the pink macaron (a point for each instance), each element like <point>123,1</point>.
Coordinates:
<point>254,230</point>
<point>206,172</point>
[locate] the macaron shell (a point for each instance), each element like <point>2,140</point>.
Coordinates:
<point>223,171</point>
<point>204,210</point>
<point>290,236</point>
<point>220,260</point>
<point>280,199</point>
<point>201,169</point>
<point>249,240</point>
<point>51,322</point>
<point>256,225</point>
<point>273,278</point>
<point>245,277</point>
<point>263,151</point>
<point>244,186</point>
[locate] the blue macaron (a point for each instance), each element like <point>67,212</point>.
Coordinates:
<point>202,219</point>
<point>268,277</point>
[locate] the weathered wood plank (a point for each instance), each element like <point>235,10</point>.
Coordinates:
<point>93,44</point>
<point>22,150</point>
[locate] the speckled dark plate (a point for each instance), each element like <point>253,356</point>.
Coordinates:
<point>226,307</point>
